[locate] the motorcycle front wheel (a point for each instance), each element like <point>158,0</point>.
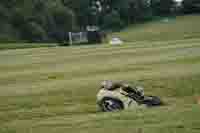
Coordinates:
<point>152,101</point>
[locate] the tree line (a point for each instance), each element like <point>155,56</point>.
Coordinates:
<point>50,20</point>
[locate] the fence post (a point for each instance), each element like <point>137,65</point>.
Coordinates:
<point>81,37</point>
<point>70,38</point>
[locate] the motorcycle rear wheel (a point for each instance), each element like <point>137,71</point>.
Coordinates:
<point>108,104</point>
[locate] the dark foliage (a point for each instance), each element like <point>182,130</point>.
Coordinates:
<point>191,6</point>
<point>50,20</point>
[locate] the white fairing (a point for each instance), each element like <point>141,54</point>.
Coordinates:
<point>128,102</point>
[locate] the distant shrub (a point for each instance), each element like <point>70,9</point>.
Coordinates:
<point>33,32</point>
<point>4,13</point>
<point>191,6</point>
<point>113,21</point>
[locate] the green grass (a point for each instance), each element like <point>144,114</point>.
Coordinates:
<point>6,46</point>
<point>53,90</point>
<point>177,28</point>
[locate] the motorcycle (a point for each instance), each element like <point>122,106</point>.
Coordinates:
<point>115,97</point>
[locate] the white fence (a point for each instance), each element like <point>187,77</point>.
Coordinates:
<point>77,37</point>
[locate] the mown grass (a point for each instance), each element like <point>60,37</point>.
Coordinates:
<point>6,46</point>
<point>54,89</point>
<point>177,28</point>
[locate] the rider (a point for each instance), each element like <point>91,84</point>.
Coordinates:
<point>125,89</point>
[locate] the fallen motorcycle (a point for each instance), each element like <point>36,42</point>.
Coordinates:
<point>115,96</point>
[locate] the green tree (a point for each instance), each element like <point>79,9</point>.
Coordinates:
<point>33,32</point>
<point>162,7</point>
<point>112,21</point>
<point>81,9</point>
<point>140,10</point>
<point>191,6</point>
<point>37,20</point>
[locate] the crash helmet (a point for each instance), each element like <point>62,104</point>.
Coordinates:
<point>107,84</point>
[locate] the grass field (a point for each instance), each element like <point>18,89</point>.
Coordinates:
<point>6,46</point>
<point>174,28</point>
<point>53,90</point>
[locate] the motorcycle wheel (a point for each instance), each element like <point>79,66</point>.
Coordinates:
<point>108,104</point>
<point>152,101</point>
